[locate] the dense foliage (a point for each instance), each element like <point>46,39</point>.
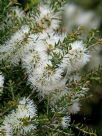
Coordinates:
<point>45,56</point>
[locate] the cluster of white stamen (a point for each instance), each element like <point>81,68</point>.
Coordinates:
<point>20,120</point>
<point>46,64</point>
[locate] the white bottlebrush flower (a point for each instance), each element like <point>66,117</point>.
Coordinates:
<point>26,108</point>
<point>11,46</point>
<point>46,78</point>
<point>76,58</point>
<point>78,47</point>
<point>47,19</point>
<point>34,61</point>
<point>65,121</point>
<point>74,108</point>
<point>14,14</point>
<point>17,37</point>
<point>37,59</point>
<point>1,82</point>
<point>20,120</point>
<point>50,81</point>
<point>24,49</point>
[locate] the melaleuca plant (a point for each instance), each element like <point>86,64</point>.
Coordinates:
<point>44,48</point>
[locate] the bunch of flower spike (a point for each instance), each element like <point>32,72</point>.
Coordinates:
<point>40,44</point>
<point>47,60</point>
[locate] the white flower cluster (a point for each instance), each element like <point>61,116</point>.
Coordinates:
<point>14,15</point>
<point>47,19</point>
<point>11,49</point>
<point>43,57</point>
<point>22,120</point>
<point>1,83</point>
